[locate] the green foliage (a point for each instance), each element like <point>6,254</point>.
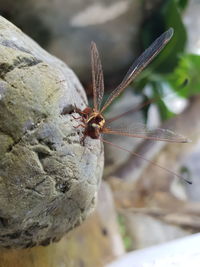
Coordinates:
<point>187,68</point>
<point>182,4</point>
<point>184,81</point>
<point>172,18</point>
<point>158,93</point>
<point>172,67</point>
<point>126,239</point>
<point>168,15</point>
<point>185,172</point>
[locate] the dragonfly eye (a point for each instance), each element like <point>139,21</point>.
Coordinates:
<point>94,125</point>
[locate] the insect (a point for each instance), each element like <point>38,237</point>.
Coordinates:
<point>93,120</point>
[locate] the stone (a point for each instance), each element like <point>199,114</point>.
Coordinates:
<point>179,253</point>
<point>139,225</point>
<point>48,180</point>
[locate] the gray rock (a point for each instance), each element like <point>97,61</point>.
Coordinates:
<point>190,166</point>
<point>146,231</point>
<point>48,181</point>
<point>179,253</point>
<point>109,224</point>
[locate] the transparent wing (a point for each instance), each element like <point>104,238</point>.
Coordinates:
<point>139,130</point>
<point>146,57</point>
<point>97,77</point>
<point>186,179</point>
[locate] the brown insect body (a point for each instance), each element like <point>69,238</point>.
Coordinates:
<point>93,122</point>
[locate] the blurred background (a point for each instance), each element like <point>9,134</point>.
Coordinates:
<point>139,205</point>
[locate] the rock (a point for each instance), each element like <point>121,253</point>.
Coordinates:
<point>48,181</point>
<point>107,215</point>
<point>96,242</point>
<point>179,253</point>
<point>191,167</point>
<point>138,226</point>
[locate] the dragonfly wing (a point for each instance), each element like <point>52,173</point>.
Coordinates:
<point>139,130</point>
<point>97,77</point>
<point>186,179</point>
<point>146,57</point>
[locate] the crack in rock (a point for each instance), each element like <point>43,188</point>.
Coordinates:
<point>19,62</point>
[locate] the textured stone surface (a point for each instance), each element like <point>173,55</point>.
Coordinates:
<point>48,181</point>
<point>94,243</point>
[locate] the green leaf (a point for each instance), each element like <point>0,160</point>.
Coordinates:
<point>176,46</point>
<point>158,93</point>
<point>126,238</point>
<point>188,68</point>
<point>168,15</point>
<point>165,113</point>
<point>182,3</point>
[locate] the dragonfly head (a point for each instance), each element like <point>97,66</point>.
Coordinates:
<point>96,120</point>
<point>96,126</point>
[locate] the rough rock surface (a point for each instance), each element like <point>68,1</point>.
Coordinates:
<point>48,181</point>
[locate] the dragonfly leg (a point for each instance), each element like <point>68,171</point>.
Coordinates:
<point>77,118</point>
<point>79,125</point>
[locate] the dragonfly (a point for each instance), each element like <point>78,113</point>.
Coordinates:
<point>94,122</point>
